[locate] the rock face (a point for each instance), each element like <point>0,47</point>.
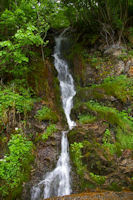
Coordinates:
<point>104,79</point>
<point>98,196</point>
<point>47,154</point>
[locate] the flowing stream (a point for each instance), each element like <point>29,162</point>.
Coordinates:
<point>57,182</point>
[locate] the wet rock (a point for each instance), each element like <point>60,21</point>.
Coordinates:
<point>97,196</point>
<point>47,154</point>
<point>40,126</point>
<point>115,50</point>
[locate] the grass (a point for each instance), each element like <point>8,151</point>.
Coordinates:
<point>85,119</point>
<point>112,115</point>
<point>120,87</point>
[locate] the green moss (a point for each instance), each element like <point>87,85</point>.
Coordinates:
<point>72,133</point>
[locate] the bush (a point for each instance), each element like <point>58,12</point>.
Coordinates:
<point>14,167</point>
<point>46,114</point>
<point>49,131</point>
<point>19,102</point>
<point>97,179</point>
<point>77,156</point>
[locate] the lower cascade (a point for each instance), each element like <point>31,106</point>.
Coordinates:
<point>57,182</point>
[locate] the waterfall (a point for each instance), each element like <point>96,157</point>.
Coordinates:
<point>57,182</point>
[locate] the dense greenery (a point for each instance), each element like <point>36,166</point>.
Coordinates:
<point>29,89</point>
<point>77,155</point>
<point>108,17</point>
<point>46,114</point>
<point>14,167</point>
<point>20,33</point>
<point>12,104</point>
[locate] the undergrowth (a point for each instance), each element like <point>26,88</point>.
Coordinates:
<point>120,87</point>
<point>14,167</point>
<point>46,114</point>
<point>84,119</point>
<point>49,131</point>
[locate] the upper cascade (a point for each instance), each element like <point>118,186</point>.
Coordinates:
<point>66,82</point>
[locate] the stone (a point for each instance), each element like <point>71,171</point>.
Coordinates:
<point>97,195</point>
<point>128,65</point>
<point>119,68</point>
<point>130,72</point>
<point>115,50</point>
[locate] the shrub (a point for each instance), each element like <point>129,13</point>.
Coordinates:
<point>97,179</point>
<point>19,102</point>
<point>77,156</point>
<point>46,114</point>
<point>14,167</point>
<point>49,131</point>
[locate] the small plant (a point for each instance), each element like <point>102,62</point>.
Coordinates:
<point>46,114</point>
<point>77,156</point>
<point>106,137</point>
<point>100,180</point>
<point>85,119</point>
<point>106,142</point>
<point>49,131</point>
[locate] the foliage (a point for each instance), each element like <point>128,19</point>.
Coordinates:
<point>49,131</point>
<point>24,26</point>
<point>77,156</point>
<point>120,87</point>
<point>104,16</point>
<point>97,179</point>
<point>112,115</point>
<point>107,142</point>
<point>106,137</point>
<point>85,119</point>
<point>58,19</point>
<point>16,102</point>
<point>125,140</point>
<point>15,165</point>
<point>46,114</point>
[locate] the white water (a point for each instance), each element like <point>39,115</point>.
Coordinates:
<point>57,182</point>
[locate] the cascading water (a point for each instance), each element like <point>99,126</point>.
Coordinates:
<point>57,182</point>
